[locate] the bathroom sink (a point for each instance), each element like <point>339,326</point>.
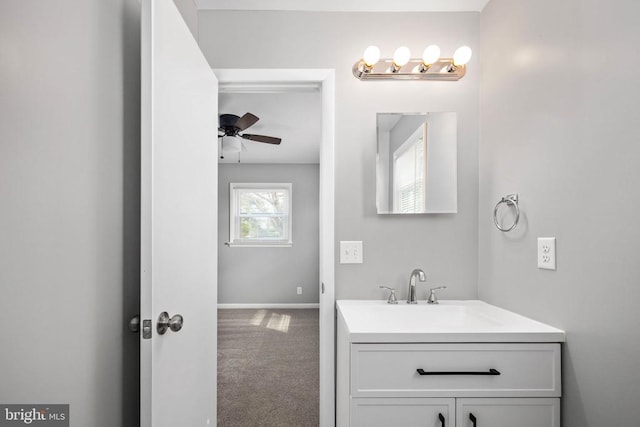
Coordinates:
<point>449,321</point>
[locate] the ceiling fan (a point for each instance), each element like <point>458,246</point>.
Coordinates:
<point>232,125</point>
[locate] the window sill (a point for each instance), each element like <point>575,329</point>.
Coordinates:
<point>259,245</point>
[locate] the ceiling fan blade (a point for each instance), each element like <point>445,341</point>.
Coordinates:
<point>262,138</point>
<point>246,121</point>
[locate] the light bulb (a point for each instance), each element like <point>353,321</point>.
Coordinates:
<point>461,56</point>
<point>371,56</point>
<point>431,54</point>
<point>401,56</point>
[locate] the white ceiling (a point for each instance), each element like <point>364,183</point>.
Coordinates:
<point>293,116</point>
<point>347,5</point>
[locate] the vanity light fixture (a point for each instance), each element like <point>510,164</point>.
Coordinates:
<point>402,67</point>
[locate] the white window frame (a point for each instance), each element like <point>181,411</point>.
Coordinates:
<point>234,219</point>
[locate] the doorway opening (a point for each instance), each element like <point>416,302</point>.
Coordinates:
<point>264,93</point>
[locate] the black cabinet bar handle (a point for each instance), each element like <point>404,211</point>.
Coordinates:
<point>473,419</point>
<point>441,418</point>
<point>489,372</point>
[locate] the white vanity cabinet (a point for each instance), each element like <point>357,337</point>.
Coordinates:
<point>442,379</point>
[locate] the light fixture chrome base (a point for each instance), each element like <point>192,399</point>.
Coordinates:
<point>413,70</point>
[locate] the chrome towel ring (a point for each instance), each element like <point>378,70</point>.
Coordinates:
<point>510,200</point>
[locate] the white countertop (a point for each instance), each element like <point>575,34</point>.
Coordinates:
<point>450,321</point>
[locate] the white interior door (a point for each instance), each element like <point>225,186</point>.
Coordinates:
<point>179,222</point>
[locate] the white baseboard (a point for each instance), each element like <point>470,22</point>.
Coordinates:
<point>281,306</point>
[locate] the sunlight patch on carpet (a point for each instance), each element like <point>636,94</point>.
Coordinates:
<point>257,318</point>
<point>279,322</point>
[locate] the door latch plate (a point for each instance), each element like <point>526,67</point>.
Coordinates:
<point>146,329</point>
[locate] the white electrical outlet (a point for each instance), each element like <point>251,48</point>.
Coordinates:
<point>547,253</point>
<point>299,290</point>
<point>351,252</point>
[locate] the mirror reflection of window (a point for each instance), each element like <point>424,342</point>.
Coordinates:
<point>409,174</point>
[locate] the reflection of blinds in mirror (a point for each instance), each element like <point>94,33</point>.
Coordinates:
<point>409,180</point>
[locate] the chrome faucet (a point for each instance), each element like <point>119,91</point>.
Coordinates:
<point>411,298</point>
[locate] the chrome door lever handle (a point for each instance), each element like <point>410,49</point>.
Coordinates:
<point>165,322</point>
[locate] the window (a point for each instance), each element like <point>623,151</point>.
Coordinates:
<point>260,214</point>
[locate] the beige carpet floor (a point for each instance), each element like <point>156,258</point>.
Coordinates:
<point>268,368</point>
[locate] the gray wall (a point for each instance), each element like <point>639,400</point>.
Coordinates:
<point>69,216</point>
<point>559,104</point>
<point>445,246</point>
<point>271,275</point>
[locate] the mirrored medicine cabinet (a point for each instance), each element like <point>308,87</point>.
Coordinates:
<point>416,171</point>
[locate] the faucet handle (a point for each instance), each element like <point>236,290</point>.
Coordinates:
<point>433,299</point>
<point>392,297</point>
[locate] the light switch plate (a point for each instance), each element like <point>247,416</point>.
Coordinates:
<point>547,253</point>
<point>351,252</point>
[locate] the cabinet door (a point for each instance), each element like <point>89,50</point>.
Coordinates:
<point>402,412</point>
<point>520,412</point>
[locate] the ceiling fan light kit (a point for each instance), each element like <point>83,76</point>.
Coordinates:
<point>232,145</point>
